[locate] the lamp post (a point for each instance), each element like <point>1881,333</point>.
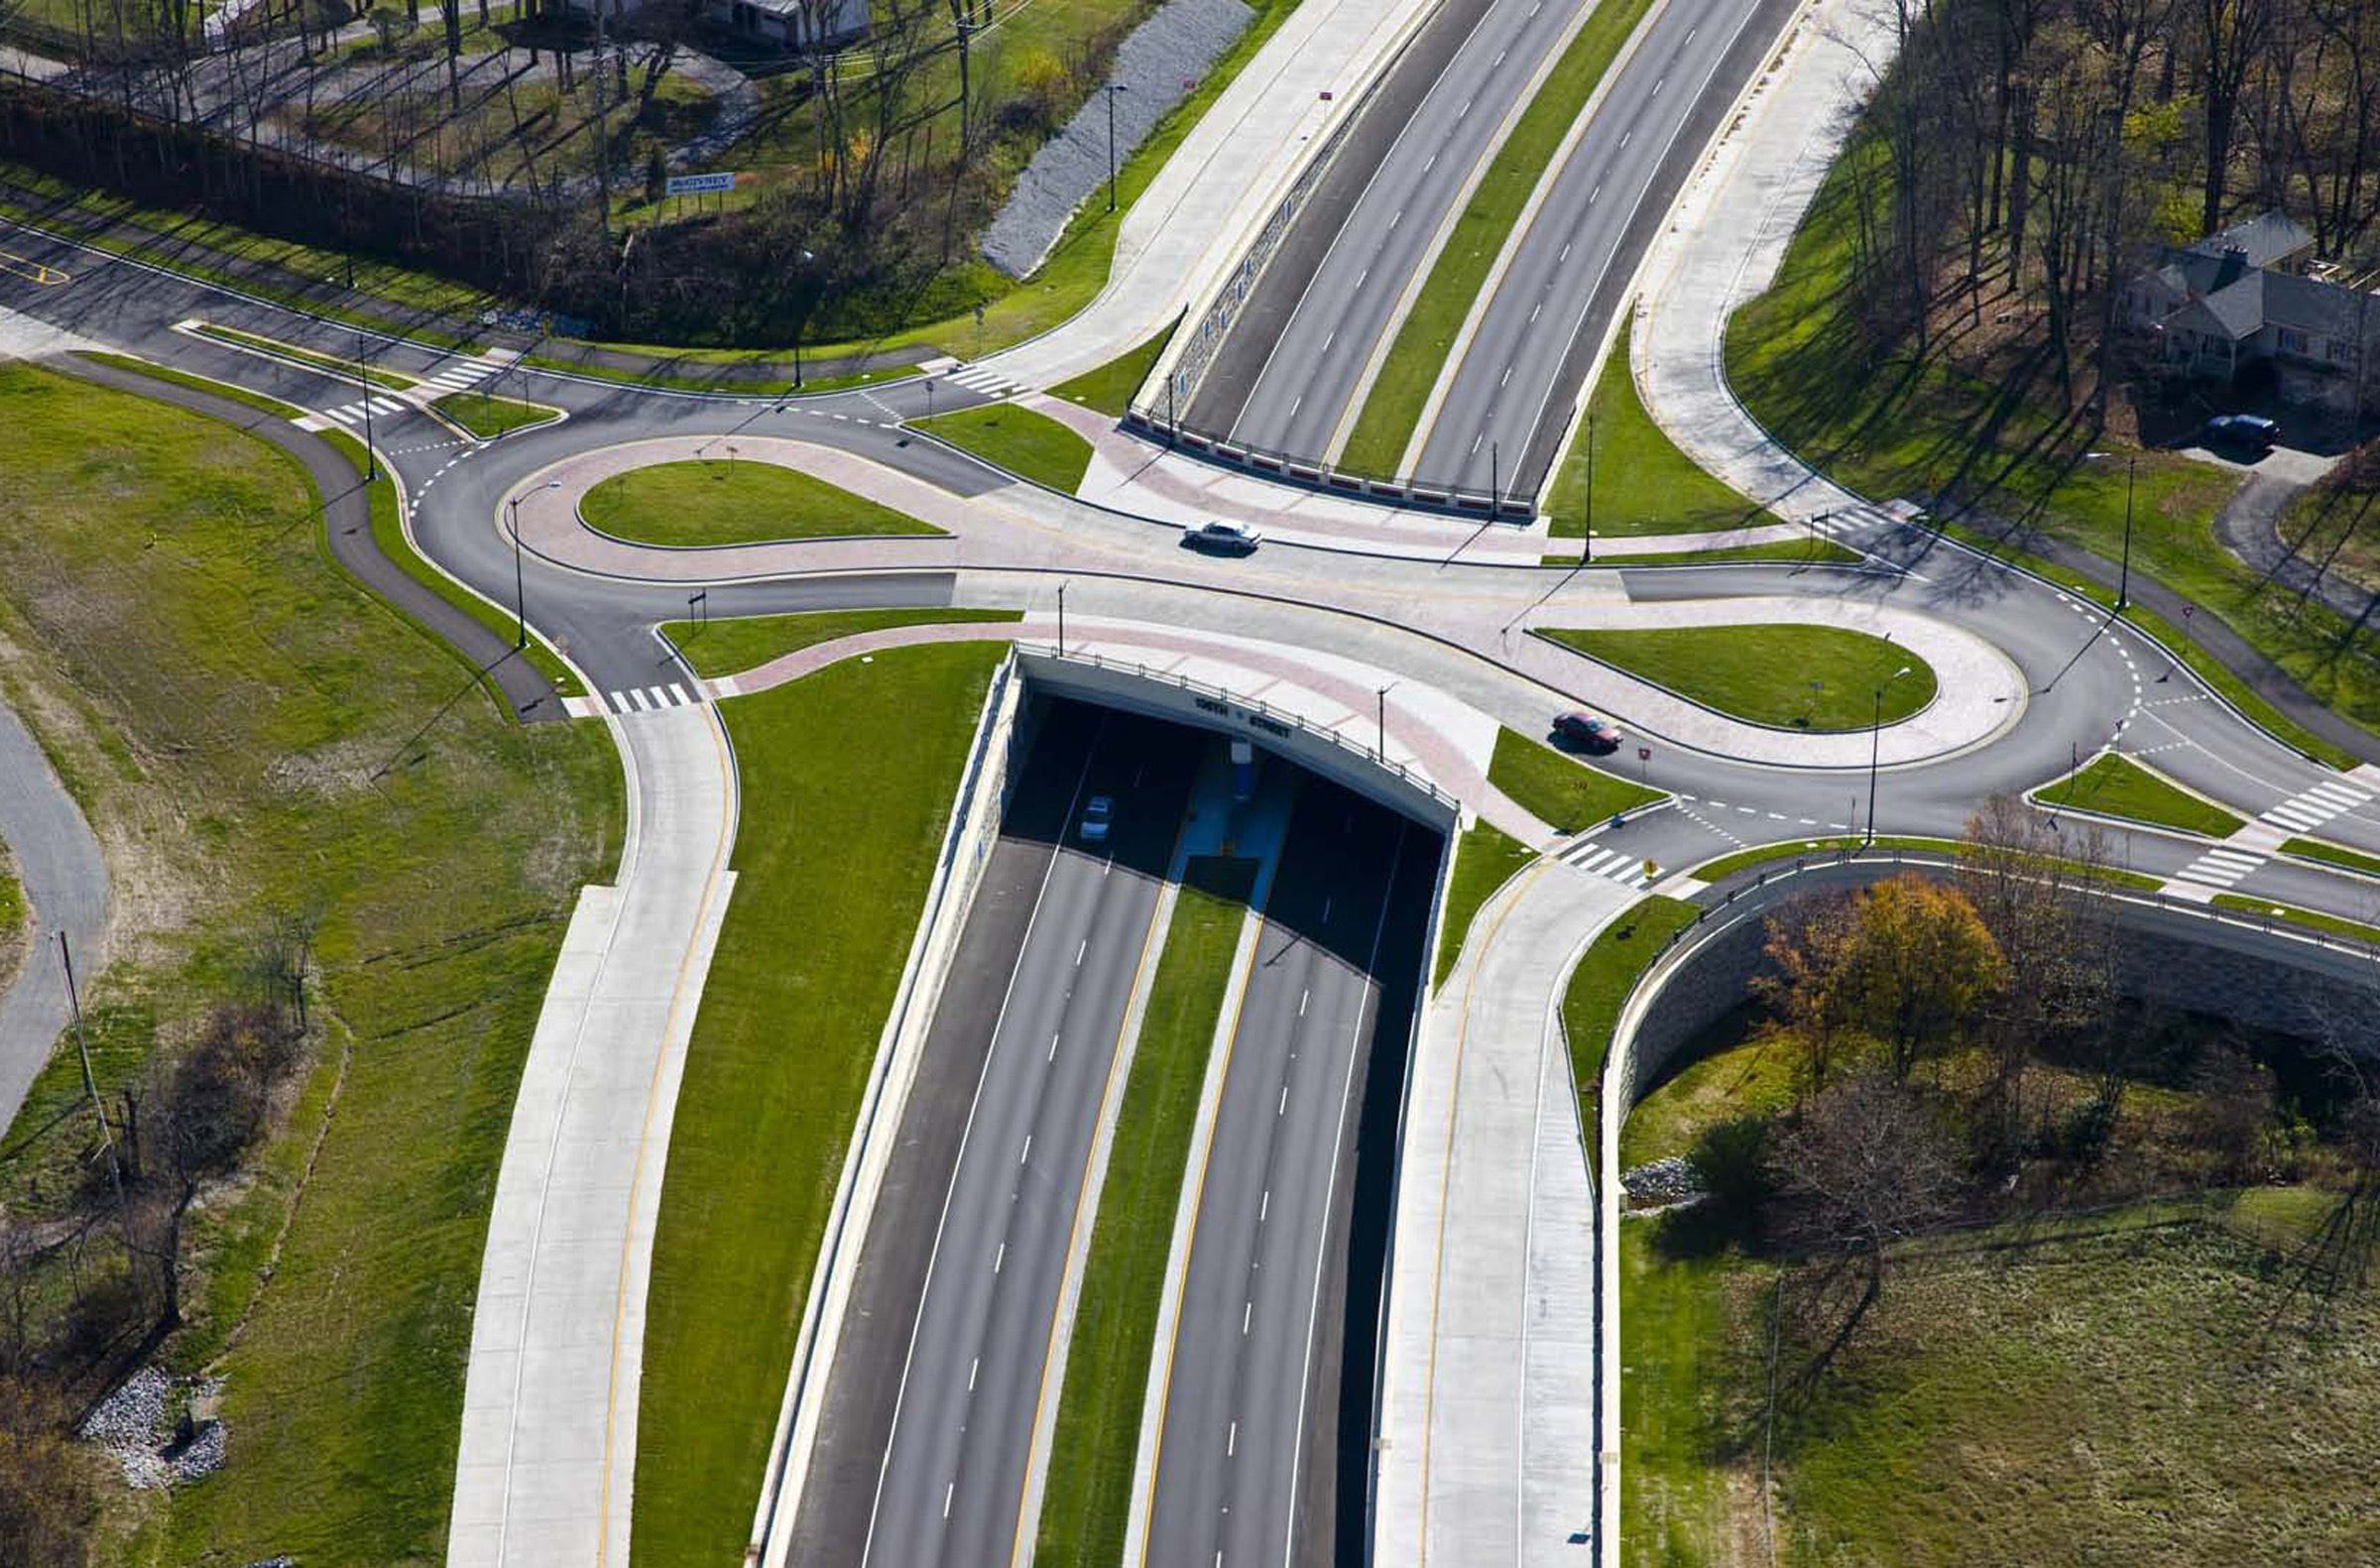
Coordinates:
<point>801,267</point>
<point>1380,751</point>
<point>363,379</point>
<point>1061,620</point>
<point>1111,89</point>
<point>1586,547</point>
<point>2123,582</point>
<point>1875,752</point>
<point>520,595</point>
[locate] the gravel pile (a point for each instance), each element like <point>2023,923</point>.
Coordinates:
<point>139,1426</point>
<point>1157,66</point>
<point>1671,1180</point>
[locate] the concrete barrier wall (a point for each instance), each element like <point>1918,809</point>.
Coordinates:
<point>1158,694</point>
<point>1001,741</point>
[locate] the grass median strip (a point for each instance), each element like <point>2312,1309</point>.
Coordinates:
<point>2309,920</point>
<point>489,416</point>
<point>1485,857</point>
<point>326,364</point>
<point>1642,483</point>
<point>2115,786</point>
<point>1568,796</point>
<point>727,647</point>
<point>2336,855</point>
<point>1423,345</point>
<point>1085,1507</point>
<point>233,713</point>
<point>1599,987</point>
<point>1820,678</point>
<point>847,780</point>
<point>1030,446</point>
<point>700,502</point>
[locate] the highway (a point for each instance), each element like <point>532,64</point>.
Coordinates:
<point>933,1395</point>
<point>1293,372</point>
<point>1247,1469</point>
<point>1440,113</point>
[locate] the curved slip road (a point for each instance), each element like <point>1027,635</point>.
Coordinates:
<point>65,881</point>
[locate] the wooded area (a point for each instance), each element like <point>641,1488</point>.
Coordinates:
<point>524,149</point>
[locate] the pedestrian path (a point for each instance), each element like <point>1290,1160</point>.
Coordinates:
<point>461,375</point>
<point>373,406</point>
<point>987,380</point>
<point>2221,868</point>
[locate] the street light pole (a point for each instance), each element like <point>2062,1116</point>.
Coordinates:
<point>1875,750</point>
<point>519,594</point>
<point>1113,88</point>
<point>363,379</point>
<point>1586,550</point>
<point>2123,588</point>
<point>799,322</point>
<point>1380,751</point>
<point>1061,620</point>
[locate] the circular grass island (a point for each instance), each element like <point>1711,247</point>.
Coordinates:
<point>1818,679</point>
<point>703,501</point>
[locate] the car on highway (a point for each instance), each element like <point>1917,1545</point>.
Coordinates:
<point>1227,538</point>
<point>2249,432</point>
<point>1586,733</point>
<point>1096,817</point>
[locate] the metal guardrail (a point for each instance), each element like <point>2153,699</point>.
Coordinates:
<point>2267,925</point>
<point>1280,722</point>
<point>1489,506</point>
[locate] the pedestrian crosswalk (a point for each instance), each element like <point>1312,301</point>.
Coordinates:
<point>353,412</point>
<point>2305,811</point>
<point>2219,869</point>
<point>460,375</point>
<point>1599,860</point>
<point>984,379</point>
<point>1852,518</point>
<point>646,699</point>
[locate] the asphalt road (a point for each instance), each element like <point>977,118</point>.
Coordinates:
<point>1246,1458</point>
<point>1305,396</point>
<point>965,1399</point>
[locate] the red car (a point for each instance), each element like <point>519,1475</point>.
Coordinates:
<point>1588,733</point>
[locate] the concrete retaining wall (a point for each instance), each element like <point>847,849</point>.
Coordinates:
<point>1001,741</point>
<point>1138,689</point>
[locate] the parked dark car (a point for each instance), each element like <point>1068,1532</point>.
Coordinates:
<point>2248,433</point>
<point>1585,732</point>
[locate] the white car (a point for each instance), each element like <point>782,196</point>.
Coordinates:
<point>1096,816</point>
<point>1235,539</point>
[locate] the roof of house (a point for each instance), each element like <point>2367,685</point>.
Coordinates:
<point>2313,306</point>
<point>2263,239</point>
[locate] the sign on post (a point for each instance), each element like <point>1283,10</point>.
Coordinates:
<point>697,185</point>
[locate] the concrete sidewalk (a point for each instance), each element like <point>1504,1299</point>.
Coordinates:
<point>549,1453</point>
<point>1194,220</point>
<point>1725,238</point>
<point>1487,1450</point>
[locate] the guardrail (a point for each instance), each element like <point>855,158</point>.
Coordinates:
<point>1263,715</point>
<point>1489,506</point>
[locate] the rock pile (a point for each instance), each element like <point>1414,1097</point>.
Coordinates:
<point>1663,1181</point>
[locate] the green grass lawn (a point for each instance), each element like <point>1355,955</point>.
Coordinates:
<point>2335,854</point>
<point>1642,483</point>
<point>848,776</point>
<point>1567,795</point>
<point>488,417</point>
<point>1599,987</point>
<point>219,696</point>
<point>1820,678</point>
<point>1485,857</point>
<point>1677,1317</point>
<point>182,378</point>
<point>2311,919</point>
<point>700,502</point>
<point>1110,388</point>
<point>1030,446</point>
<point>2116,785</point>
<point>15,917</point>
<point>342,369</point>
<point>1888,424</point>
<point>1420,352</point>
<point>1088,1500</point>
<point>725,648</point>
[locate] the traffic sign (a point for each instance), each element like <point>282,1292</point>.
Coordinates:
<point>697,185</point>
<point>1644,754</point>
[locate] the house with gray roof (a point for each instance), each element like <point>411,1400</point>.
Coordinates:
<point>2243,297</point>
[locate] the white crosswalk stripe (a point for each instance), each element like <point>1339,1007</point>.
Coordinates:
<point>2311,808</point>
<point>353,412</point>
<point>646,699</point>
<point>981,378</point>
<point>2220,868</point>
<point>457,374</point>
<point>1599,859</point>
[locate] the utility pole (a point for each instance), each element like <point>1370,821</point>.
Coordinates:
<point>1587,552</point>
<point>90,1087</point>
<point>363,379</point>
<point>2123,586</point>
<point>1380,751</point>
